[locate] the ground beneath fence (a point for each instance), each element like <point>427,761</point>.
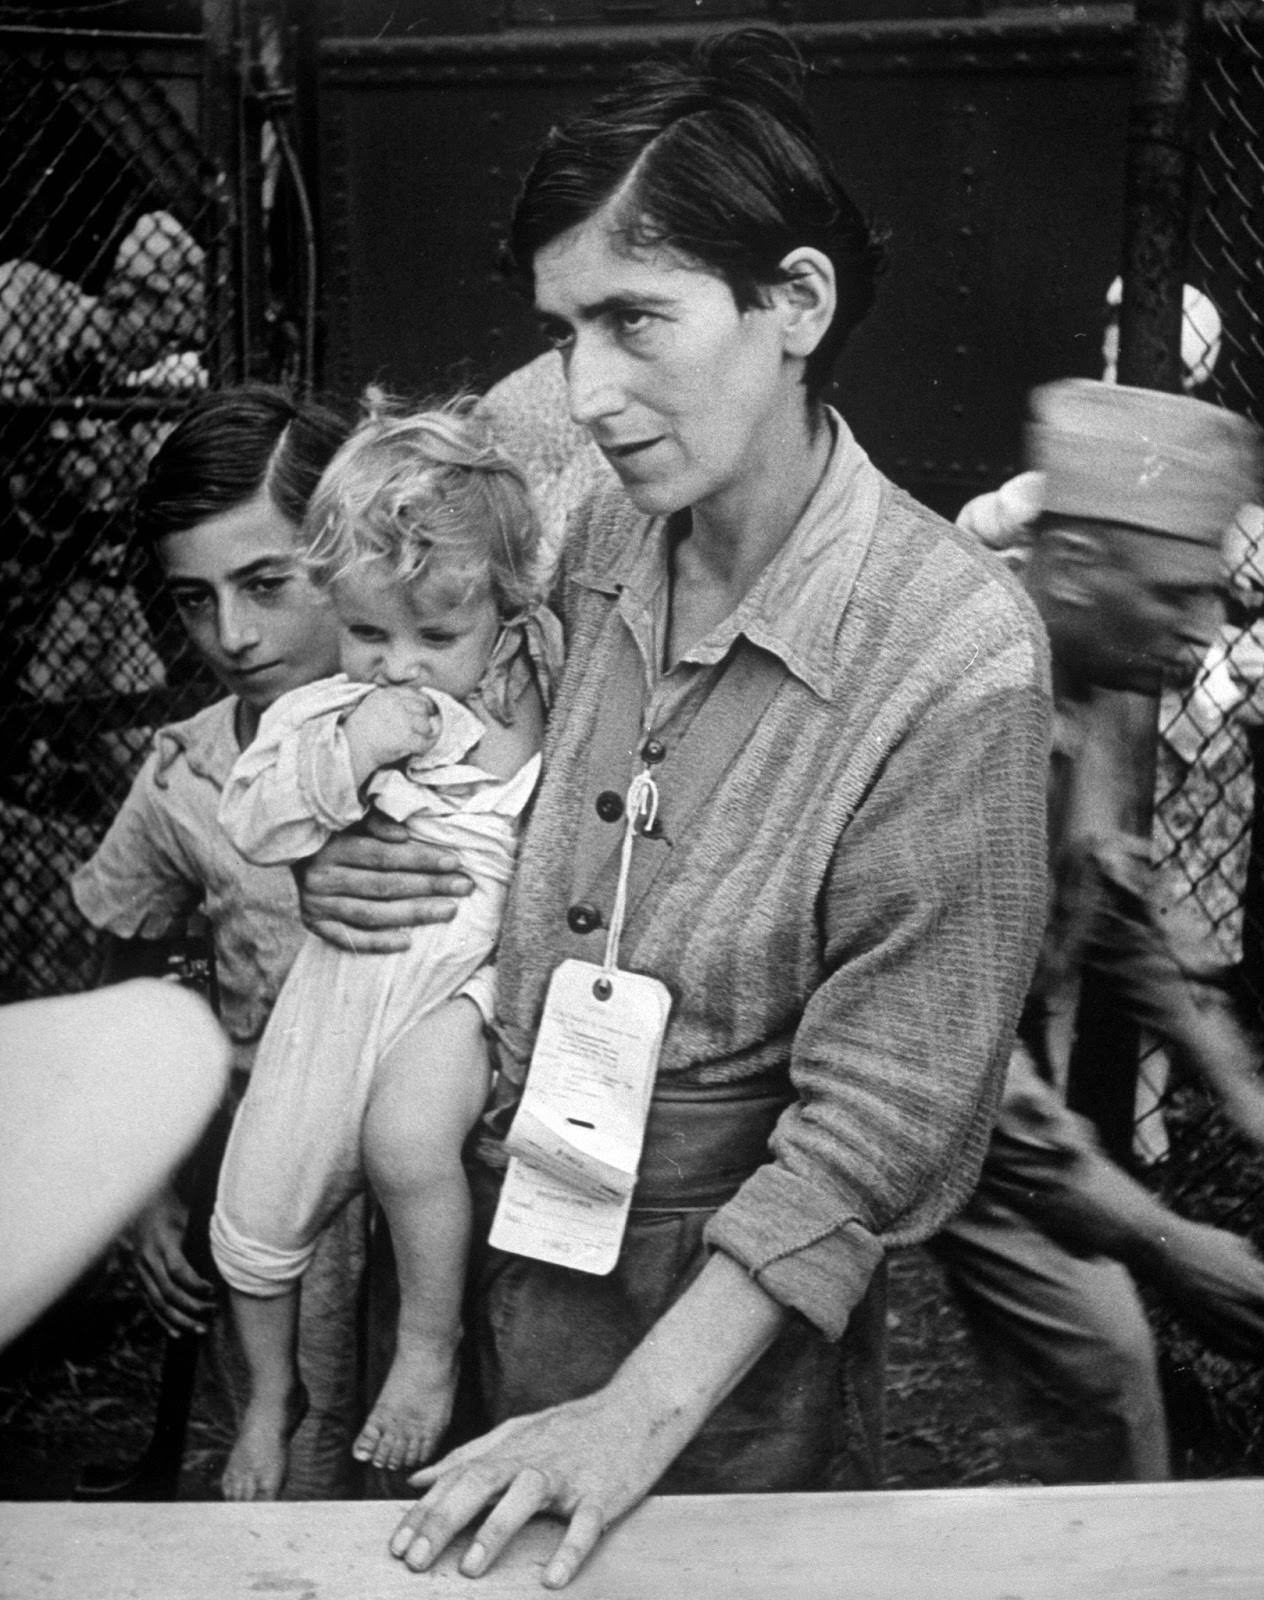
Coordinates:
<point>80,1389</point>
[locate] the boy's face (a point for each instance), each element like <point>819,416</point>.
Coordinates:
<point>247,604</point>
<point>1144,610</point>
<point>431,632</point>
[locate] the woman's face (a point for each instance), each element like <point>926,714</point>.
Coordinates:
<point>687,397</point>
<point>249,608</point>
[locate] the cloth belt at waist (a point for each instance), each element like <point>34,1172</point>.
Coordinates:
<point>700,1144</point>
<point>700,1147</point>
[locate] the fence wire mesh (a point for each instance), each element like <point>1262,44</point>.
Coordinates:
<point>107,312</point>
<point>1208,834</point>
<point>104,235</point>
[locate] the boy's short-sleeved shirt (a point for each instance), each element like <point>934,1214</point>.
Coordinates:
<point>167,856</point>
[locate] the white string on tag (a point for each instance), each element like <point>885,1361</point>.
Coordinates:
<point>642,812</point>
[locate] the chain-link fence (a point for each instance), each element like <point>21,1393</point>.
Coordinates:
<point>109,224</point>
<point>1208,829</point>
<point>113,238</point>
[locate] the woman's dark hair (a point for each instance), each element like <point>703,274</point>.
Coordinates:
<point>718,161</point>
<point>226,448</point>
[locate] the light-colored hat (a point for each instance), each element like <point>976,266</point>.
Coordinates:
<point>1164,462</point>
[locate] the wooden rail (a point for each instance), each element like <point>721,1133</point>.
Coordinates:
<point>1186,1541</point>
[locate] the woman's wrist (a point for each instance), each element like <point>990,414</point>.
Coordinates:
<point>697,1353</point>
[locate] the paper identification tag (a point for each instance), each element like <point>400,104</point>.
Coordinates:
<point>576,1138</point>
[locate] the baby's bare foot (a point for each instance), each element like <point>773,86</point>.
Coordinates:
<point>414,1406</point>
<point>257,1463</point>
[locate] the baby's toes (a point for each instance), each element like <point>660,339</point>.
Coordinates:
<point>384,1445</point>
<point>394,1451</point>
<point>367,1443</point>
<point>241,1483</point>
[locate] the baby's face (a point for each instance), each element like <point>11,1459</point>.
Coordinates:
<point>428,633</point>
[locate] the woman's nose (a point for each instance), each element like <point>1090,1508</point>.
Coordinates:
<point>592,388</point>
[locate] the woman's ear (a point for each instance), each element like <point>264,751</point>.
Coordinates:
<point>806,298</point>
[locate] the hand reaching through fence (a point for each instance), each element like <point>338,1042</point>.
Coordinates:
<point>181,1299</point>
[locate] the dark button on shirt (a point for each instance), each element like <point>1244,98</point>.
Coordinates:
<point>583,918</point>
<point>609,805</point>
<point>653,750</point>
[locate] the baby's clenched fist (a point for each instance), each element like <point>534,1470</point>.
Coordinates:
<point>389,724</point>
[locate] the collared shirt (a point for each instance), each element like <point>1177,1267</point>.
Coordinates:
<point>857,901</point>
<point>792,608</point>
<point>166,856</point>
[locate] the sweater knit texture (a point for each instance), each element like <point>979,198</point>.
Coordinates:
<point>856,905</point>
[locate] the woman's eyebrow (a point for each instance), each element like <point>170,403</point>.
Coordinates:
<point>627,300</point>
<point>624,300</point>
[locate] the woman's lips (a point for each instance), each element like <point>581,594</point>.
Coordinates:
<point>618,454</point>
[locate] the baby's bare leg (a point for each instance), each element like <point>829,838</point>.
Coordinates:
<point>427,1091</point>
<point>268,1331</point>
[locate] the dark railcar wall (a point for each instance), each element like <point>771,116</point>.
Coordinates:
<point>993,149</point>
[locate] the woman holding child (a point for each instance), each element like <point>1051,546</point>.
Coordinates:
<point>842,705</point>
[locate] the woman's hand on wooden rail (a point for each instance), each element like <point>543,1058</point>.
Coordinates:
<point>564,1462</point>
<point>592,1460</point>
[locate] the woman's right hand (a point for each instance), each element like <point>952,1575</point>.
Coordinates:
<point>182,1300</point>
<point>364,891</point>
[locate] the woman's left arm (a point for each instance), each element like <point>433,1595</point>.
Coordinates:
<point>593,1459</point>
<point>929,924</point>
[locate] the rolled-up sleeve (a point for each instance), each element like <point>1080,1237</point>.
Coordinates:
<point>931,921</point>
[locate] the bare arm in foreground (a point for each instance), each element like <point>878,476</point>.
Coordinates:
<point>181,1299</point>
<point>591,1460</point>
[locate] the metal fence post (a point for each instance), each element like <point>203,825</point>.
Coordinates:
<point>1158,184</point>
<point>222,144</point>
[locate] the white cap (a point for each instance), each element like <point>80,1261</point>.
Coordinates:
<point>1201,334</point>
<point>1164,462</point>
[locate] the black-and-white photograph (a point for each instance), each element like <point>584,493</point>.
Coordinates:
<point>680,582</point>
